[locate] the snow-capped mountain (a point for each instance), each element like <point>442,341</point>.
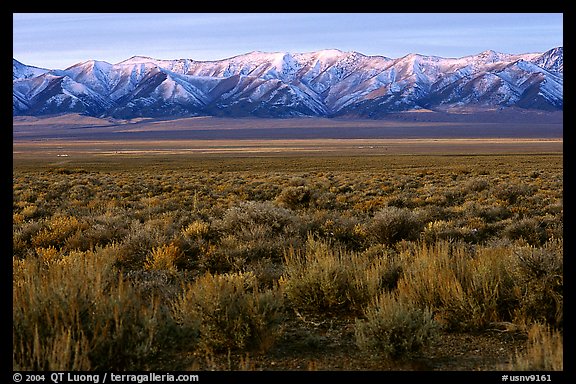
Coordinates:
<point>21,71</point>
<point>324,83</point>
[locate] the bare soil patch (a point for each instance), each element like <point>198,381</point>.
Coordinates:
<point>321,344</point>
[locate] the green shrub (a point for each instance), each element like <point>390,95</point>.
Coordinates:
<point>394,327</point>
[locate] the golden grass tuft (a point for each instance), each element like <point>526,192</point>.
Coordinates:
<point>325,278</point>
<point>545,351</point>
<point>164,258</point>
<point>465,289</point>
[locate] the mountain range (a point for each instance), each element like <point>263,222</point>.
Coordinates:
<point>326,83</point>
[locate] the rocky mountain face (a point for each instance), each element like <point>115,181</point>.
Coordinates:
<point>328,83</point>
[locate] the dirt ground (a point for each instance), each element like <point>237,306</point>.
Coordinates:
<point>312,344</point>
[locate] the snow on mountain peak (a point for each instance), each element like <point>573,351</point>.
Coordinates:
<point>137,60</point>
<point>327,82</point>
<point>22,71</point>
<point>331,53</point>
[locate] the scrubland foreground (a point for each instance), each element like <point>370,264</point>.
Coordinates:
<point>340,263</point>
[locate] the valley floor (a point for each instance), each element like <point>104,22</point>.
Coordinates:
<point>58,152</point>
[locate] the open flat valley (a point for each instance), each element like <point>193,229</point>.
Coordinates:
<point>70,138</point>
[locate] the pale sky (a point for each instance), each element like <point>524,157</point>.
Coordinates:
<point>60,40</point>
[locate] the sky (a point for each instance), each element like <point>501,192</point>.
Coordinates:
<point>60,40</point>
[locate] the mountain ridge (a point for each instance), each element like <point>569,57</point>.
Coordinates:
<point>325,83</point>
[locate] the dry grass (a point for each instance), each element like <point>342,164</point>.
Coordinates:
<point>327,279</point>
<point>76,312</point>
<point>465,289</point>
<point>545,351</point>
<point>230,312</point>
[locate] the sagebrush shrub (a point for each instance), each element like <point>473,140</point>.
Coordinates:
<point>99,258</point>
<point>243,217</point>
<point>257,230</point>
<point>58,228</point>
<point>321,278</point>
<point>511,192</point>
<point>295,197</point>
<point>528,229</point>
<point>196,230</point>
<point>394,327</point>
<point>541,273</point>
<point>135,247</point>
<point>440,230</point>
<point>476,184</point>
<point>342,227</point>
<point>230,312</point>
<point>392,224</point>
<point>388,267</point>
<point>59,351</point>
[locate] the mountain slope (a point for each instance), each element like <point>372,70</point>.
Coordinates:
<point>325,83</point>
